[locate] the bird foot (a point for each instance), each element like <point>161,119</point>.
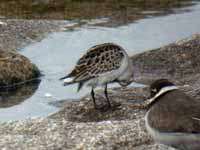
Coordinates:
<point>103,108</point>
<point>106,108</point>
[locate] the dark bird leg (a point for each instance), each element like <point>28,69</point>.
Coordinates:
<point>93,98</point>
<point>106,94</point>
<point>105,107</point>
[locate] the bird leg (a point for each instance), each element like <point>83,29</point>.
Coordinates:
<point>106,94</point>
<point>103,108</point>
<point>93,98</point>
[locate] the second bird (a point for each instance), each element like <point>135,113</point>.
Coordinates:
<point>102,64</point>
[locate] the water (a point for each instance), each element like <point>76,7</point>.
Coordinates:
<point>57,54</point>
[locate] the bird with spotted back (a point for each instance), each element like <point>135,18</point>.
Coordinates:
<point>173,117</point>
<point>102,64</point>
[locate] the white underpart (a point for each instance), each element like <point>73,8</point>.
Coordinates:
<point>184,141</point>
<point>128,73</point>
<point>122,73</point>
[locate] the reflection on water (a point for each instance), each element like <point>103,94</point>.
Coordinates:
<point>57,54</point>
<point>16,95</point>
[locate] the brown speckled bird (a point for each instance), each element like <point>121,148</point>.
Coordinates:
<point>102,64</point>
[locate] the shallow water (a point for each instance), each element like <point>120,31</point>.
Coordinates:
<point>57,54</point>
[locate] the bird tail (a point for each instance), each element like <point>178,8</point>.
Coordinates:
<point>64,77</point>
<point>67,80</point>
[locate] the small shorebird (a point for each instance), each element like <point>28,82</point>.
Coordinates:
<point>102,64</point>
<point>173,117</point>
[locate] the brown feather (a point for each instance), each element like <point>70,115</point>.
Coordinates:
<point>98,59</point>
<point>174,112</point>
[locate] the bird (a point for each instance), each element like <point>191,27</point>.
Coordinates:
<point>173,118</point>
<point>100,65</point>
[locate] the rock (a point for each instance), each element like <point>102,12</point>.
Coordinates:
<point>79,126</point>
<point>178,62</point>
<point>15,69</point>
<point>18,33</point>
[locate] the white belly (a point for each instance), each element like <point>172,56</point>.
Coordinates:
<point>182,141</point>
<point>103,79</point>
<point>107,77</point>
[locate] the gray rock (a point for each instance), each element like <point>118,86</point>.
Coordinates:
<point>178,61</point>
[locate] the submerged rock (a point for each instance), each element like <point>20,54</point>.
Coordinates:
<point>15,68</point>
<point>79,126</point>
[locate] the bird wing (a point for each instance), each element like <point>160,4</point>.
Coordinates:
<point>98,60</point>
<point>177,116</point>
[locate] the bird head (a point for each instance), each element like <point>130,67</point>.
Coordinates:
<point>158,85</point>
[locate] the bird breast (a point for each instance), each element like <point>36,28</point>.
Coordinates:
<point>110,76</point>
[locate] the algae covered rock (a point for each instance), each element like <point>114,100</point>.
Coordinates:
<point>15,69</point>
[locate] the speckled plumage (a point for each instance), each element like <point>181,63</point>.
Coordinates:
<point>98,59</point>
<point>100,65</point>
